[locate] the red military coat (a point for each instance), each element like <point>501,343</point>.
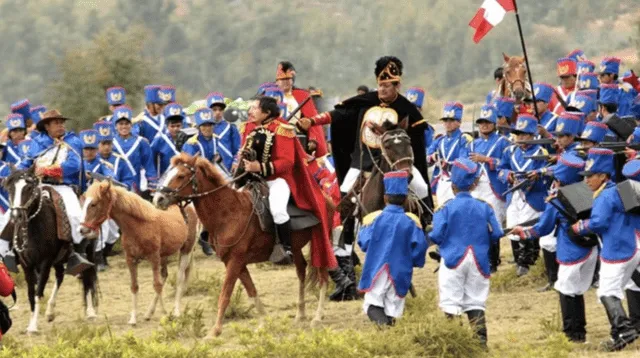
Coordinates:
<point>316,133</point>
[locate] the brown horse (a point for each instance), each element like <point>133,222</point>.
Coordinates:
<point>514,79</point>
<point>234,230</point>
<point>147,233</point>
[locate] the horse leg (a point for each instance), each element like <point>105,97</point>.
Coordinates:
<point>323,277</point>
<point>89,279</point>
<point>184,266</point>
<point>247,282</point>
<point>51,305</point>
<point>30,277</point>
<point>301,267</point>
<point>233,271</point>
<point>133,270</point>
<point>157,285</point>
<point>164,273</point>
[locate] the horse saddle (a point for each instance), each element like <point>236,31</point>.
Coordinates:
<point>300,219</point>
<point>63,226</point>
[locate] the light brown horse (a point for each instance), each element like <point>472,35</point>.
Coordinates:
<point>234,231</point>
<point>514,83</point>
<point>147,233</point>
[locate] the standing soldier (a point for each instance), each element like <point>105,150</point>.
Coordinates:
<point>506,107</point>
<point>167,145</point>
<point>134,150</point>
<point>567,71</point>
<point>227,135</point>
<point>526,202</point>
<point>17,131</point>
<point>293,97</point>
<point>446,149</point>
<point>35,112</point>
<point>21,107</point>
<point>608,74</point>
<point>415,95</point>
<point>116,96</point>
<point>151,121</point>
<point>547,119</point>
<point>487,150</point>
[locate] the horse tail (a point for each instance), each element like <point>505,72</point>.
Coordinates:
<point>316,276</point>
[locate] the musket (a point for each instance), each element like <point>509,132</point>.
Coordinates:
<point>518,186</point>
<point>524,224</point>
<point>619,146</point>
<point>100,177</point>
<point>540,157</point>
<point>544,141</point>
<point>473,126</point>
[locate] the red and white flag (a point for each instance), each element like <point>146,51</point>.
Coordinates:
<point>489,15</point>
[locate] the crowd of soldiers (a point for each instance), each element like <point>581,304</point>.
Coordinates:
<point>525,154</point>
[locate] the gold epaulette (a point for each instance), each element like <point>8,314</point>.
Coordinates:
<point>550,197</point>
<point>193,140</point>
<point>242,127</point>
<point>600,189</point>
<point>544,151</point>
<point>138,118</point>
<point>370,218</point>
<point>107,163</point>
<point>419,123</point>
<point>415,219</point>
<point>467,137</point>
<point>286,130</point>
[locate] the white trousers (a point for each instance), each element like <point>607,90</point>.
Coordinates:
<point>549,242</point>
<point>576,279</point>
<point>519,210</point>
<point>279,194</point>
<point>108,234</point>
<point>462,289</point>
<point>383,294</point>
<point>483,191</point>
<point>4,245</point>
<point>616,277</point>
<point>417,185</point>
<point>444,192</point>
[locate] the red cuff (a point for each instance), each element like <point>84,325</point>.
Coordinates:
<point>492,164</point>
<point>53,171</point>
<point>321,119</point>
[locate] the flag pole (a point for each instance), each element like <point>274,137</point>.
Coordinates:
<point>526,58</point>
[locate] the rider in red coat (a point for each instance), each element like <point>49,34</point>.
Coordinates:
<point>281,160</point>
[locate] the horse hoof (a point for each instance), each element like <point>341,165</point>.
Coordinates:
<point>176,313</point>
<point>316,323</point>
<point>132,322</point>
<point>31,331</point>
<point>147,318</point>
<point>51,317</point>
<point>91,316</point>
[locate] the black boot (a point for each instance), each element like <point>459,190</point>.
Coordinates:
<point>10,262</point>
<point>516,250</point>
<point>281,254</point>
<point>551,269</point>
<point>595,283</point>
<point>101,261</point>
<point>376,314</point>
<point>633,302</point>
<point>622,332</point>
<point>108,251</point>
<point>580,320</point>
<point>494,256</point>
<point>78,259</point>
<point>342,282</point>
<point>348,267</point>
<point>204,243</point>
<point>479,323</point>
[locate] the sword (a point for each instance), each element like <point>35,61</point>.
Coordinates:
<point>295,111</point>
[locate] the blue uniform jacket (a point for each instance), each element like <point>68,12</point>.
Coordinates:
<point>627,95</point>
<point>617,229</point>
<point>118,168</point>
<point>492,147</point>
<point>393,241</point>
<point>5,170</point>
<point>429,133</point>
<point>72,165</point>
<point>163,148</point>
<point>465,224</point>
<point>228,141</point>
<point>568,253</point>
<point>199,145</point>
<point>447,148</point>
<point>12,153</point>
<point>149,126</point>
<point>135,153</point>
<point>548,120</point>
<point>514,160</point>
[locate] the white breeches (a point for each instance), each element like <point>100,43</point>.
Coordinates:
<point>74,211</point>
<point>444,192</point>
<point>483,191</point>
<point>519,210</point>
<point>4,245</point>
<point>549,242</point>
<point>279,194</point>
<point>383,294</point>
<point>576,279</point>
<point>616,277</point>
<point>462,289</point>
<point>417,185</point>
<point>108,234</point>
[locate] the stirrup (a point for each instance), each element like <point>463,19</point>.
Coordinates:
<point>77,264</point>
<point>279,256</point>
<point>11,263</point>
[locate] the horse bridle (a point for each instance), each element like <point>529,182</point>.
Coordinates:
<point>194,187</point>
<point>20,225</point>
<point>94,224</point>
<point>397,138</point>
<point>510,84</point>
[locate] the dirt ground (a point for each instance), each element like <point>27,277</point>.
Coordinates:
<point>516,315</point>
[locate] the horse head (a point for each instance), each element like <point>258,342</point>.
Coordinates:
<point>181,182</point>
<point>98,203</point>
<point>515,77</point>
<point>395,144</point>
<point>24,190</point>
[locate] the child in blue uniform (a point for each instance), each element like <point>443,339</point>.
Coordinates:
<point>394,243</point>
<point>619,232</point>
<point>463,277</point>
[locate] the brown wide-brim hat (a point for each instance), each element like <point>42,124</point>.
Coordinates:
<point>47,116</point>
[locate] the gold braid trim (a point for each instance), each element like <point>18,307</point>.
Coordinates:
<point>286,130</point>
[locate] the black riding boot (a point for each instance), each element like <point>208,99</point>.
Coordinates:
<point>347,264</point>
<point>516,250</point>
<point>204,243</point>
<point>622,332</point>
<point>101,261</point>
<point>573,318</point>
<point>479,323</point>
<point>284,257</point>
<point>376,314</point>
<point>551,269</point>
<point>10,262</point>
<point>595,283</point>
<point>341,280</point>
<point>633,301</point>
<point>108,250</point>
<point>494,256</point>
<point>78,259</point>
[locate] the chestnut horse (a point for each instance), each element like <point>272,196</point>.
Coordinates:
<point>147,233</point>
<point>234,230</point>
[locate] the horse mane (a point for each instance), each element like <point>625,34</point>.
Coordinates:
<point>128,202</point>
<point>208,169</point>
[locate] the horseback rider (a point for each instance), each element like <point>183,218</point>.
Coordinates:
<point>281,161</point>
<point>58,161</point>
<point>227,135</point>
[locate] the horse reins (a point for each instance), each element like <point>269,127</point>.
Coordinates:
<point>94,224</point>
